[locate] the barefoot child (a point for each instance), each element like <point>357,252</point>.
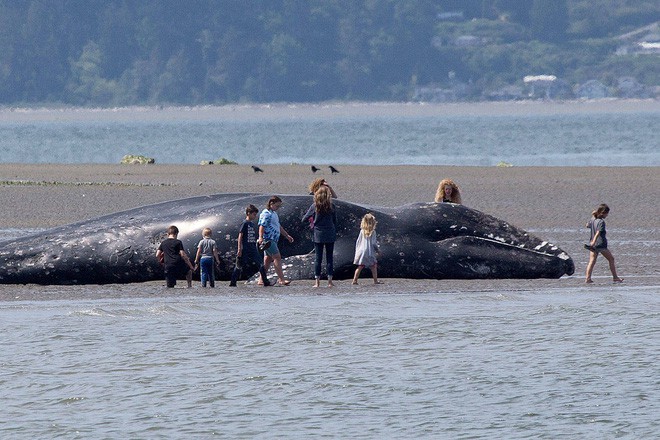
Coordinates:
<point>366,248</point>
<point>598,243</point>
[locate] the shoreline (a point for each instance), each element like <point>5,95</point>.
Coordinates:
<point>332,109</point>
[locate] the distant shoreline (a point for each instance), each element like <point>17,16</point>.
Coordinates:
<point>280,111</point>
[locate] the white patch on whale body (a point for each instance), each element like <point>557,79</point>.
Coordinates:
<point>493,237</point>
<point>542,245</point>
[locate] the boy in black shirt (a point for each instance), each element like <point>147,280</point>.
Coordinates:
<point>175,259</point>
<point>248,257</point>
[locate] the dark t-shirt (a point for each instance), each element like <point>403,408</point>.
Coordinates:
<point>249,238</point>
<point>325,224</point>
<point>172,247</point>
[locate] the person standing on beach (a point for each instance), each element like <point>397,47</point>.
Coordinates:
<point>318,183</point>
<point>175,259</point>
<point>598,243</point>
<point>207,257</point>
<point>323,216</point>
<point>366,248</point>
<point>448,192</point>
<point>270,230</point>
<point>247,257</point>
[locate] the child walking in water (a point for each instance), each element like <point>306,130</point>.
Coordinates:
<point>598,243</point>
<point>366,248</point>
<point>207,257</point>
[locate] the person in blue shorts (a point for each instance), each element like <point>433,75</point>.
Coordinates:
<point>270,231</point>
<point>248,259</point>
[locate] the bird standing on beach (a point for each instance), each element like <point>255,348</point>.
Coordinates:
<point>333,169</point>
<point>314,169</point>
<point>257,169</point>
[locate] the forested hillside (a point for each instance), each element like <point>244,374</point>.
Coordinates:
<point>127,52</point>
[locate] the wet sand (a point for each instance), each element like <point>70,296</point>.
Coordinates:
<point>552,202</point>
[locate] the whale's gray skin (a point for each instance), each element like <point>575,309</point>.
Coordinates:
<point>423,240</point>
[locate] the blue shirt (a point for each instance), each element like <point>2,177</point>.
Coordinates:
<point>271,223</point>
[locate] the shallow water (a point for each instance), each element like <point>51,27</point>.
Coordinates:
<point>406,359</point>
<point>377,137</point>
<point>551,363</point>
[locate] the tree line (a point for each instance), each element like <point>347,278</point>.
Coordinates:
<point>135,52</point>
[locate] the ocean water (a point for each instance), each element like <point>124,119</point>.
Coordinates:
<point>549,364</point>
<point>379,138</point>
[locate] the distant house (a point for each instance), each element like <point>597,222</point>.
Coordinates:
<point>642,41</point>
<point>592,89</point>
<point>457,92</point>
<point>506,93</point>
<point>649,48</point>
<point>547,87</point>
<point>628,87</point>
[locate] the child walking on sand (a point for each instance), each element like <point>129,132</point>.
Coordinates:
<point>207,257</point>
<point>598,243</point>
<point>366,248</point>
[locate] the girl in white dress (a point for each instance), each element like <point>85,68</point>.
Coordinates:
<point>366,248</point>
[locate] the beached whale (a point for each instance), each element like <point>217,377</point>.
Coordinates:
<point>422,240</point>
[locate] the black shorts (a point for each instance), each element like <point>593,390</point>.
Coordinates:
<point>178,272</point>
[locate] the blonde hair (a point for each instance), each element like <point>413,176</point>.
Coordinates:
<point>323,200</point>
<point>368,224</point>
<point>315,185</point>
<point>207,232</point>
<point>455,192</point>
<point>602,209</point>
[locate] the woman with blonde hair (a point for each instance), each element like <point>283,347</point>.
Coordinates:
<point>320,183</point>
<point>323,217</point>
<point>448,192</point>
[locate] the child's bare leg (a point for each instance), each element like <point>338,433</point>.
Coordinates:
<point>593,256</point>
<point>330,284</point>
<point>374,272</point>
<point>357,274</point>
<point>277,262</point>
<point>610,259</point>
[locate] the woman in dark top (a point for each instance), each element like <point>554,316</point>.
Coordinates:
<point>324,216</point>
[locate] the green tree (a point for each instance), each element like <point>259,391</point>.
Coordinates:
<point>549,20</point>
<point>87,86</point>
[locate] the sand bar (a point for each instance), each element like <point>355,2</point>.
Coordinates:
<point>552,202</point>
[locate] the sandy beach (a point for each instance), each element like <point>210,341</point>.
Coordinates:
<point>555,201</point>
